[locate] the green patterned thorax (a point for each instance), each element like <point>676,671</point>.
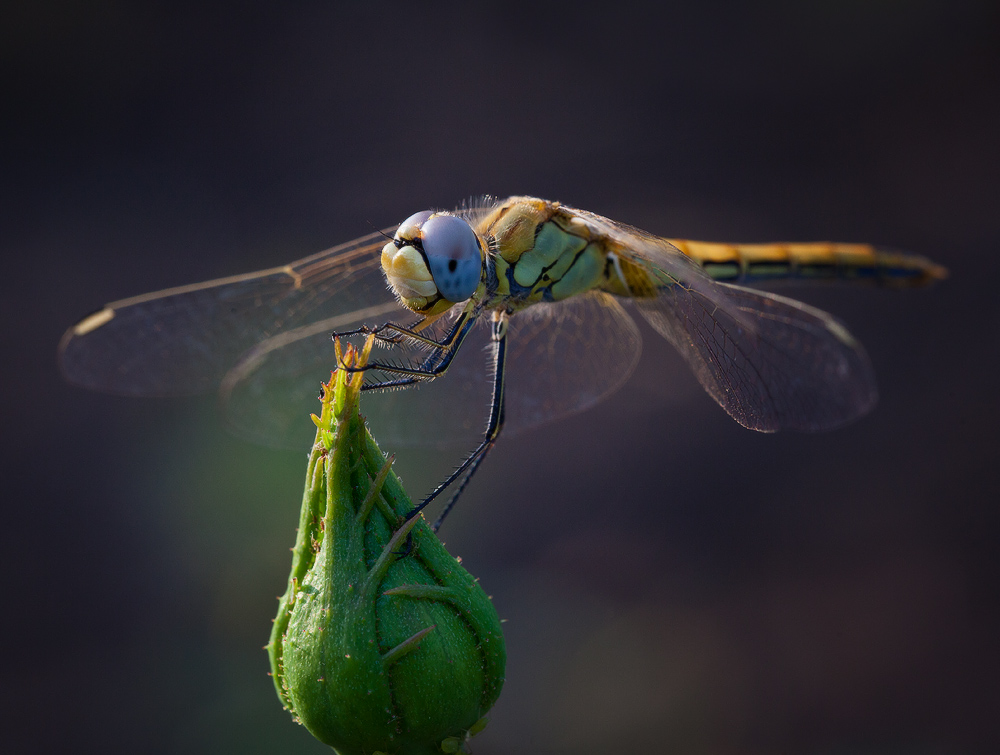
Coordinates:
<point>545,252</point>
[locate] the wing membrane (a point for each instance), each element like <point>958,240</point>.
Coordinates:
<point>568,356</point>
<point>184,340</point>
<point>771,362</point>
<point>562,358</point>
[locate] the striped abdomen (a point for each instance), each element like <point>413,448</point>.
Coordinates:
<point>755,263</point>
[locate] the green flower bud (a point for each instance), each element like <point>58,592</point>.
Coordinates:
<point>383,642</point>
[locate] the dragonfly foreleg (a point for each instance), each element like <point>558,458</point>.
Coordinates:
<point>391,333</point>
<point>379,331</point>
<point>434,365</point>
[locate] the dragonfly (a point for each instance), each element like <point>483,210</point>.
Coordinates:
<point>555,283</point>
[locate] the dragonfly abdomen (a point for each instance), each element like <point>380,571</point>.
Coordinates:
<point>753,263</point>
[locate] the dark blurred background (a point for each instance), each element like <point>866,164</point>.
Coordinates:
<point>672,582</point>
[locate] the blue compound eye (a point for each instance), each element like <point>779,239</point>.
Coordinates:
<point>452,255</point>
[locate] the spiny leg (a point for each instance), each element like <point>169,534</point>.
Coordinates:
<point>461,486</point>
<point>412,332</point>
<point>434,365</point>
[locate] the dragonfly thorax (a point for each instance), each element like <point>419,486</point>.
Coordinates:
<point>434,260</point>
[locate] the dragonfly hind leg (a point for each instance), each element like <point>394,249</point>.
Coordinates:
<point>463,474</point>
<point>434,365</point>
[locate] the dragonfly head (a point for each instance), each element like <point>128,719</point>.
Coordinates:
<point>434,260</point>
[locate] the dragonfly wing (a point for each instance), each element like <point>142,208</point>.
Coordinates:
<point>771,362</point>
<point>566,357</point>
<point>562,358</point>
<point>184,340</point>
<point>268,395</point>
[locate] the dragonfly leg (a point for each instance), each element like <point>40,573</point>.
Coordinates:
<point>412,332</point>
<point>468,467</point>
<point>461,486</point>
<point>407,548</point>
<point>433,366</point>
<point>429,369</point>
<point>367,330</point>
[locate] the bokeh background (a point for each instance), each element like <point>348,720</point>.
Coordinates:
<point>672,582</point>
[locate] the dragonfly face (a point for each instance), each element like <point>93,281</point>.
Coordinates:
<point>434,261</point>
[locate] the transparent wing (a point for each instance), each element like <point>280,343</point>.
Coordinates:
<point>270,392</point>
<point>567,357</point>
<point>185,340</point>
<point>562,358</point>
<point>771,362</point>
